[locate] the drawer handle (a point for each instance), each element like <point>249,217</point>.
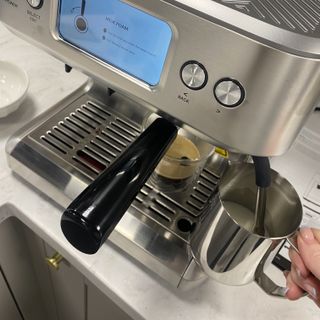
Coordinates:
<point>54,261</point>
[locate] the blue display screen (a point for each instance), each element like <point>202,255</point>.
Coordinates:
<point>118,34</point>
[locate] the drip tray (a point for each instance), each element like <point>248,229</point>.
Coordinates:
<point>65,151</point>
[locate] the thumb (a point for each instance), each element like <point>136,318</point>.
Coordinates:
<point>309,247</point>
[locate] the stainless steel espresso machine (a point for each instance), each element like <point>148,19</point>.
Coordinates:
<point>239,75</point>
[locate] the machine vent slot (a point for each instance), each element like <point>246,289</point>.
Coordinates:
<point>198,206</point>
<point>61,140</point>
<point>139,199</point>
<point>118,134</point>
<point>123,127</point>
<point>53,145</point>
<point>102,149</point>
<point>86,122</point>
<point>146,190</point>
<point>135,129</point>
<point>89,162</point>
<point>205,185</point>
<point>209,176</point>
<point>165,206</point>
<point>94,173</point>
<point>106,144</point>
<point>67,134</point>
<point>198,197</point>
<point>160,213</point>
<point>91,117</point>
<point>97,155</point>
<point>99,109</point>
<point>181,206</point>
<point>301,16</point>
<point>95,113</point>
<point>199,190</point>
<point>72,129</point>
<point>114,138</point>
<point>79,126</point>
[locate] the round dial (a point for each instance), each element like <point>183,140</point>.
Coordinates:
<point>229,92</point>
<point>194,75</point>
<point>36,4</point>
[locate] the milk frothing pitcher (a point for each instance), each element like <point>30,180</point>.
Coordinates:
<point>230,250</point>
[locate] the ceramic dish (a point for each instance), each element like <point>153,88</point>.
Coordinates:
<point>14,84</point>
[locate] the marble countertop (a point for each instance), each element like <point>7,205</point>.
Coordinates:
<point>135,289</point>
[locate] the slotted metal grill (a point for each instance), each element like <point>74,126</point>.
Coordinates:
<point>301,16</point>
<point>88,136</point>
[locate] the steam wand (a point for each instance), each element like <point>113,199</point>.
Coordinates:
<point>263,181</point>
<point>93,215</point>
<point>83,7</point>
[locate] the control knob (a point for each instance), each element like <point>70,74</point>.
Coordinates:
<point>35,4</point>
<point>194,75</point>
<point>229,92</point>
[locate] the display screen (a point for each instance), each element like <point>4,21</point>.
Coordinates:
<point>118,34</point>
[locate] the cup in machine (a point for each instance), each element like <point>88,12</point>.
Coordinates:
<point>183,161</point>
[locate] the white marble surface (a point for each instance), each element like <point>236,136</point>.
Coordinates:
<point>139,292</point>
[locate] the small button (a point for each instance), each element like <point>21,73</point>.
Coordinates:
<point>35,4</point>
<point>228,92</point>
<point>81,24</point>
<point>194,75</point>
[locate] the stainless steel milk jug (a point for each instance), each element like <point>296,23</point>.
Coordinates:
<point>229,251</point>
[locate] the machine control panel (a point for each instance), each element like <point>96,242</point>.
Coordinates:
<point>35,4</point>
<point>194,75</point>
<point>149,50</point>
<point>118,35</point>
<point>229,92</point>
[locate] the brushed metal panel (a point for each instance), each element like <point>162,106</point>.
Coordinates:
<point>277,68</point>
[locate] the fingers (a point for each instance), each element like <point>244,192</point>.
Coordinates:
<point>309,284</point>
<point>309,247</point>
<point>316,233</point>
<point>298,263</point>
<point>305,268</point>
<point>294,291</point>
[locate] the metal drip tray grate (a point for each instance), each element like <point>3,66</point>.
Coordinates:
<point>300,16</point>
<point>87,136</point>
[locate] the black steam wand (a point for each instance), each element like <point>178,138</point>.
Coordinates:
<point>83,7</point>
<point>263,182</point>
<point>93,215</point>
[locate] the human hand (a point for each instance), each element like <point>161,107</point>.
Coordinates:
<point>305,267</point>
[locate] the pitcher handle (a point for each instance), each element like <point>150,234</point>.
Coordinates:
<point>293,242</point>
<point>269,286</point>
<point>264,282</point>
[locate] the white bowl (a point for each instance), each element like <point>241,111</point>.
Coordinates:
<point>14,84</point>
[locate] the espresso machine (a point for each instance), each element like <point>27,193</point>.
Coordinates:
<point>242,76</point>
